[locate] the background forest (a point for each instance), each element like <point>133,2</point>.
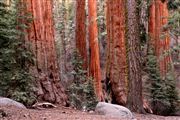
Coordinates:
<point>79,52</point>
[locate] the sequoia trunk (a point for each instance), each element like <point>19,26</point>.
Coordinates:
<point>135,102</point>
<point>81,31</point>
<point>94,71</point>
<point>116,54</point>
<point>41,36</point>
<point>159,36</point>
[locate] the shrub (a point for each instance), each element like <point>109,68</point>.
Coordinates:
<point>163,95</point>
<point>81,91</point>
<point>15,59</point>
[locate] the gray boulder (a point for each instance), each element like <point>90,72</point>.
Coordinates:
<point>10,102</point>
<point>112,110</point>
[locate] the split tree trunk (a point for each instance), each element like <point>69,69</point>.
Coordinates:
<point>81,31</point>
<point>135,102</point>
<point>116,54</point>
<point>160,39</point>
<point>41,36</point>
<point>95,70</point>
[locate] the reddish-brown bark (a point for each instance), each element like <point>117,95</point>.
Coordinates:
<point>159,37</point>
<point>95,70</point>
<point>81,30</point>
<point>116,60</point>
<point>41,36</point>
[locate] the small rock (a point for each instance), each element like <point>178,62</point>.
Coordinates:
<point>91,112</point>
<point>113,110</point>
<point>10,102</point>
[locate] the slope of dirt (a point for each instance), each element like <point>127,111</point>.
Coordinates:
<point>61,113</point>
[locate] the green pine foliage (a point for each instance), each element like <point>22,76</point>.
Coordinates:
<point>81,91</point>
<point>172,92</point>
<point>79,73</point>
<point>173,4</point>
<point>162,92</point>
<point>91,100</point>
<point>157,86</point>
<point>15,59</point>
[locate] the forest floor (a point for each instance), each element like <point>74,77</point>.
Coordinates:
<point>62,113</point>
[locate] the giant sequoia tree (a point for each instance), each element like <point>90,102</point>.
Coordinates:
<point>133,51</point>
<point>41,35</point>
<point>94,71</point>
<point>81,30</point>
<point>159,35</point>
<point>116,53</point>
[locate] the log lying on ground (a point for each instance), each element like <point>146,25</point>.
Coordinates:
<point>42,105</point>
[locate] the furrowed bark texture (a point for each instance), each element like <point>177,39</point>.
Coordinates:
<point>116,53</point>
<point>41,36</point>
<point>81,31</point>
<point>160,39</point>
<point>135,102</point>
<point>95,70</point>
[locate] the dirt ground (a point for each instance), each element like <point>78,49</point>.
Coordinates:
<point>62,113</point>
